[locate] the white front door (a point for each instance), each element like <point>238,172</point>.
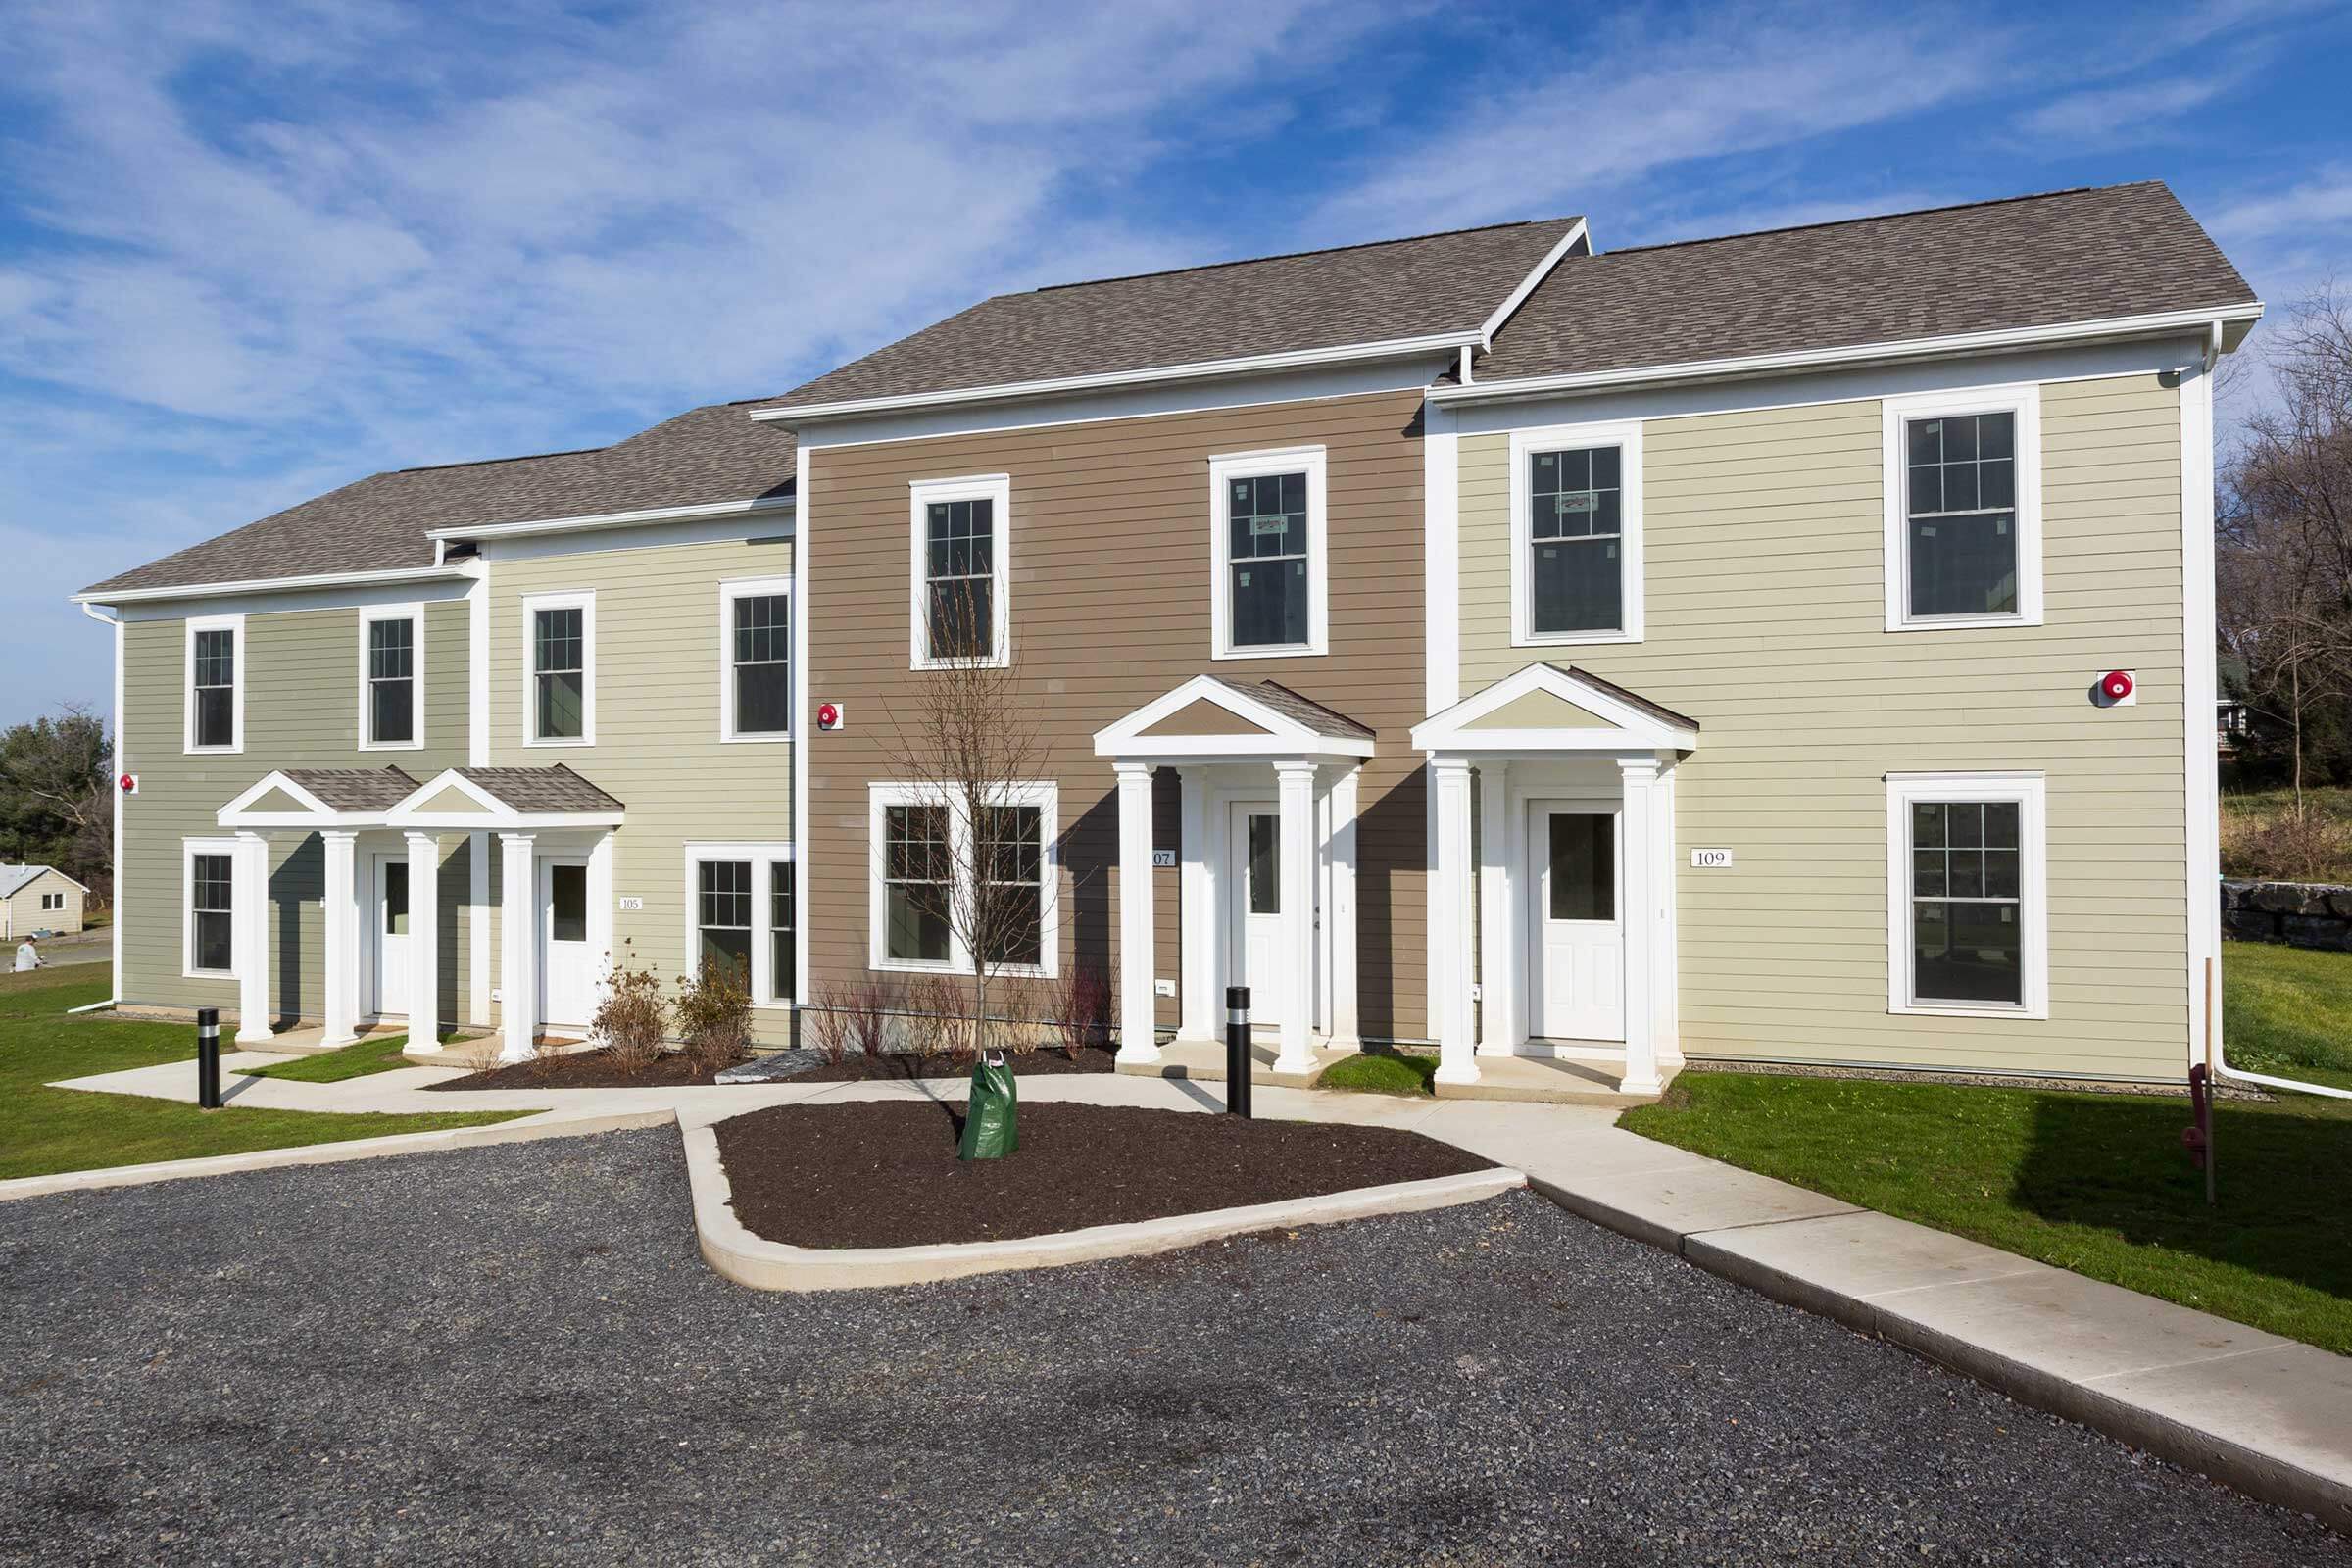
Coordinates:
<point>391,934</point>
<point>568,959</point>
<point>1577,966</point>
<point>1253,914</point>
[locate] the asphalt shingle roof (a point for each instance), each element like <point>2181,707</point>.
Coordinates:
<point>1304,709</point>
<point>541,789</point>
<point>713,454</point>
<point>1394,289</point>
<point>2027,261</point>
<point>355,789</point>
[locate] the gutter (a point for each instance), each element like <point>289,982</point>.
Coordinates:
<point>613,519</point>
<point>262,585</point>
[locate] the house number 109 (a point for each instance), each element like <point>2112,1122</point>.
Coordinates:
<point>1708,859</point>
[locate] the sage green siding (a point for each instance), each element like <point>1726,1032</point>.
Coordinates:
<point>1766,621</point>
<point>302,675</point>
<point>658,748</point>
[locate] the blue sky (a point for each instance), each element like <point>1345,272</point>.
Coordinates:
<point>251,251</point>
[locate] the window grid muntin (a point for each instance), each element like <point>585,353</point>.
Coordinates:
<point>1267,531</point>
<point>1575,519</point>
<point>723,916</point>
<point>1013,851</point>
<point>1960,472</point>
<point>558,671</point>
<point>392,680</point>
<point>917,871</point>
<point>783,958</point>
<point>761,643</point>
<point>211,895</point>
<point>214,677</point>
<point>1954,843</point>
<point>960,553</point>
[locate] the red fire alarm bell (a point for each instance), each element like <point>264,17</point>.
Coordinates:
<point>2117,686</point>
<point>828,716</point>
<point>130,783</point>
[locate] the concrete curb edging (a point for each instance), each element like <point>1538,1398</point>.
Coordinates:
<point>522,1130</point>
<point>765,1265</point>
<point>2263,1473</point>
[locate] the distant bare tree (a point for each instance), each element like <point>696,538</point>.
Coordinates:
<point>57,795</point>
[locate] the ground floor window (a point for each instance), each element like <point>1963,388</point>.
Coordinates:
<point>925,913</point>
<point>211,878</point>
<point>1965,880</point>
<point>51,902</point>
<point>731,926</point>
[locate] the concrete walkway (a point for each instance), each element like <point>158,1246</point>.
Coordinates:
<point>2270,1415</point>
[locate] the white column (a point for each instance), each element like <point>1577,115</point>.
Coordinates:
<point>1501,935</point>
<point>1449,913</point>
<point>1203,1020</point>
<point>1295,787</point>
<point>425,942</point>
<point>342,936</point>
<point>518,948</point>
<point>1341,914</point>
<point>1641,777</point>
<point>249,899</point>
<point>477,930</point>
<point>1139,1027</point>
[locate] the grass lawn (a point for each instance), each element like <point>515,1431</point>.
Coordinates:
<point>2094,1183</point>
<point>335,1066</point>
<point>1369,1074</point>
<point>45,1130</point>
<point>2288,1012</point>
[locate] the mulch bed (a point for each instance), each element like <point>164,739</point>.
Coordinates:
<point>594,1069</point>
<point>885,1174</point>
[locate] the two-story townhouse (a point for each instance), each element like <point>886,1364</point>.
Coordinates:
<point>1469,640</point>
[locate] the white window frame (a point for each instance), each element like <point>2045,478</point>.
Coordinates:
<point>2028,791</point>
<point>1223,470</point>
<point>763,856</point>
<point>53,902</point>
<point>729,590</point>
<point>583,600</point>
<point>2021,399</point>
<point>189,849</point>
<point>921,494</point>
<point>237,706</point>
<point>1626,436</point>
<point>1045,795</point>
<point>414,615</point>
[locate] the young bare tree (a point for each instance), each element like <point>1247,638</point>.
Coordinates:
<point>965,858</point>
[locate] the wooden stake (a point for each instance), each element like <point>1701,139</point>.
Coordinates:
<point>2212,1086</point>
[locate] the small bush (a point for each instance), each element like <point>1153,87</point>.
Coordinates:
<point>630,1019</point>
<point>1083,1008</point>
<point>713,1014</point>
<point>2316,846</point>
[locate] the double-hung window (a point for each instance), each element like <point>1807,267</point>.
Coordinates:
<point>209,874</point>
<point>1964,509</point>
<point>51,903</point>
<point>559,644</point>
<point>1270,594</point>
<point>756,660</point>
<point>216,700</point>
<point>1576,533</point>
<point>739,917</point>
<point>926,912</point>
<point>391,677</point>
<point>961,571</point>
<point>1965,894</point>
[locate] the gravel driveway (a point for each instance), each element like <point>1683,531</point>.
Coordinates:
<point>514,1355</point>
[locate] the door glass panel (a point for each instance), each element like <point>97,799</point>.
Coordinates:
<point>1583,866</point>
<point>395,898</point>
<point>1266,864</point>
<point>567,903</point>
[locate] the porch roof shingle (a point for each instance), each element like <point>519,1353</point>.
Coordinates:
<point>355,789</point>
<point>1303,709</point>
<point>555,787</point>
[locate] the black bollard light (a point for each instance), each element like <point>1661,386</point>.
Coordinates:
<point>208,1057</point>
<point>1237,1051</point>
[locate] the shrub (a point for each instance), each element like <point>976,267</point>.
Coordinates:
<point>630,1018</point>
<point>825,1025</point>
<point>1082,1008</point>
<point>713,1013</point>
<point>2315,847</point>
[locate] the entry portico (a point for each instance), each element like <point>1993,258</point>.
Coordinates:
<point>1267,784</point>
<point>1557,939</point>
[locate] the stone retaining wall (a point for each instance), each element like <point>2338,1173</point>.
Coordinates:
<point>2303,915</point>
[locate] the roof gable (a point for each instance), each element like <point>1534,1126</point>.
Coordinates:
<point>1538,709</point>
<point>1553,708</point>
<point>1209,716</point>
<point>1201,717</point>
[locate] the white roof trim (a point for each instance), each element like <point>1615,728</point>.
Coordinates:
<point>1390,348</point>
<point>495,813</point>
<point>35,873</point>
<point>1851,354</point>
<point>1629,728</point>
<point>1285,736</point>
<point>1527,285</point>
<point>256,585</point>
<point>613,520</point>
<point>316,813</point>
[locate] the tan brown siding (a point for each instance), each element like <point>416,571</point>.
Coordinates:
<point>1110,609</point>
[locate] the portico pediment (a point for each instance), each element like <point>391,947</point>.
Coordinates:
<point>1551,707</point>
<point>1210,718</point>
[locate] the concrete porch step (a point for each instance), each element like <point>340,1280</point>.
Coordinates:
<point>1548,1081</point>
<point>1203,1062</point>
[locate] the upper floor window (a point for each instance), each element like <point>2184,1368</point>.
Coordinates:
<point>1576,526</point>
<point>1270,593</point>
<point>1965,889</point>
<point>392,657</point>
<point>1963,508</point>
<point>756,628</point>
<point>960,570</point>
<point>559,630</point>
<point>215,699</point>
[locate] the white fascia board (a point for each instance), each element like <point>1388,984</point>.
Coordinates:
<point>263,585</point>
<point>1285,736</point>
<point>1527,285</point>
<point>1852,353</point>
<point>1393,348</point>
<point>314,806</point>
<point>1631,728</point>
<point>611,520</point>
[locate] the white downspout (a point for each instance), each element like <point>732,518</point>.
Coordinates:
<point>114,992</point>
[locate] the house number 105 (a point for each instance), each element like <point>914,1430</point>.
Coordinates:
<point>1710,858</point>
